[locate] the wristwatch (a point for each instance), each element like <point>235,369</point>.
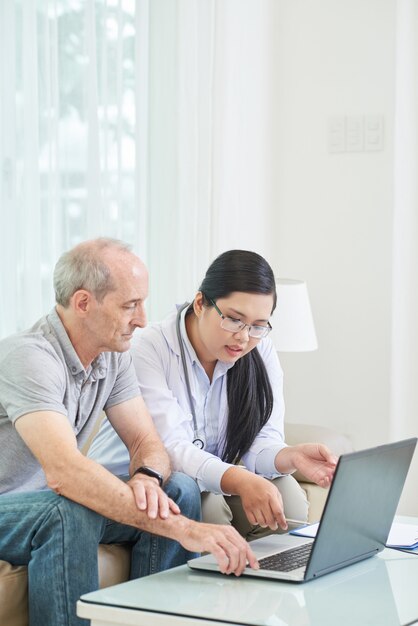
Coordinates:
<point>150,472</point>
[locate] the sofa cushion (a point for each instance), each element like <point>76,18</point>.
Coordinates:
<point>316,497</point>
<point>114,565</point>
<point>13,595</point>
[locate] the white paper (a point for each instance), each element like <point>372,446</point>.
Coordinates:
<point>400,535</point>
<point>307,531</point>
<point>403,535</point>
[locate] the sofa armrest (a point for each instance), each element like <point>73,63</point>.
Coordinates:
<point>304,433</point>
<point>336,442</point>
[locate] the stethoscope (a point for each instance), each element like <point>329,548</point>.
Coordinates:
<point>197,441</point>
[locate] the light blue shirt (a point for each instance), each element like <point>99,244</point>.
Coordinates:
<point>157,361</point>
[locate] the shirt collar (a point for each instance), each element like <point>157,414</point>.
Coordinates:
<point>169,330</point>
<point>98,367</point>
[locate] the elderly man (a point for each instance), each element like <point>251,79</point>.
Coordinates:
<point>56,505</point>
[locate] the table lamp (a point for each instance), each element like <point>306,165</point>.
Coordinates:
<point>292,321</point>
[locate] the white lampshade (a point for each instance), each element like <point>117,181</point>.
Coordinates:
<point>292,321</point>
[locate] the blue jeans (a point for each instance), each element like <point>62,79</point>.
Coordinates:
<point>58,539</point>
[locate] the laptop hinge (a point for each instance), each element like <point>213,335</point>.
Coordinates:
<point>341,564</point>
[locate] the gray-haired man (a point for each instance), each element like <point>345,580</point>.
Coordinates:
<point>56,505</point>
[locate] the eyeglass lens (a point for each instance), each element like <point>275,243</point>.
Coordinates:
<point>257,332</point>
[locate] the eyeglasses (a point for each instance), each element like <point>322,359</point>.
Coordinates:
<point>235,326</point>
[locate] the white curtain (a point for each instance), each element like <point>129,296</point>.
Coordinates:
<point>67,150</point>
<point>147,121</point>
<point>180,129</point>
<point>404,375</point>
<point>210,115</point>
<point>106,126</point>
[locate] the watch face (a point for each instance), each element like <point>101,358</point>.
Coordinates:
<point>148,471</point>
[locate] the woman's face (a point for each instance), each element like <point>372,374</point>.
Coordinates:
<point>214,343</point>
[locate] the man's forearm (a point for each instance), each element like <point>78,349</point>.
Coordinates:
<point>91,485</point>
<point>152,454</point>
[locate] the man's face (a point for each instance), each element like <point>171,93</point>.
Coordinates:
<point>112,321</point>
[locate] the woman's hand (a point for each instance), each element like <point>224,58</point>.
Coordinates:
<point>313,460</point>
<point>260,499</point>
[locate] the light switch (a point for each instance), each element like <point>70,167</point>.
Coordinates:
<point>355,133</point>
<point>336,134</point>
<point>373,133</point>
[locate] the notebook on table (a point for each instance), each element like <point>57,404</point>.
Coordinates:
<point>355,524</point>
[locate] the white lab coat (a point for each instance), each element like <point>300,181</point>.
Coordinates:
<point>158,365</point>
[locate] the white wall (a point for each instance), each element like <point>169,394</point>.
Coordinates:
<point>334,211</point>
<point>333,214</point>
<point>281,69</point>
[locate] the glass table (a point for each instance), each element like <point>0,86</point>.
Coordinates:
<point>381,591</point>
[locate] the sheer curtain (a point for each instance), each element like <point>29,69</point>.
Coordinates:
<point>142,120</point>
<point>180,131</point>
<point>67,151</point>
<point>210,118</point>
<point>404,391</point>
<point>106,127</point>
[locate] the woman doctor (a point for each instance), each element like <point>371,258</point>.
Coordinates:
<point>211,379</point>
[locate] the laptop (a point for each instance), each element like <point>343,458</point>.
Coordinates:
<point>355,523</point>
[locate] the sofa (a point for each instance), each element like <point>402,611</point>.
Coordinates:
<point>114,559</point>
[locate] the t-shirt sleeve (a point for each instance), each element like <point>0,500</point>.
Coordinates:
<point>31,379</point>
<point>126,385</point>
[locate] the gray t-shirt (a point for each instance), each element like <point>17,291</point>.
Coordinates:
<point>40,371</point>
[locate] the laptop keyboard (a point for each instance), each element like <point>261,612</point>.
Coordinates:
<point>288,560</point>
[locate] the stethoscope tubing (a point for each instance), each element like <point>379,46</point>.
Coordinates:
<point>197,441</point>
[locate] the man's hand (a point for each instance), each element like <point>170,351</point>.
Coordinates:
<point>150,498</point>
<point>230,550</point>
<point>313,460</point>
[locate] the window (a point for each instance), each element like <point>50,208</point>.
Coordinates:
<point>68,129</point>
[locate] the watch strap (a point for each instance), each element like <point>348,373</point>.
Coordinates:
<point>148,471</point>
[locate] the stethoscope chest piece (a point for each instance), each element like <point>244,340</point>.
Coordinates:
<point>198,443</point>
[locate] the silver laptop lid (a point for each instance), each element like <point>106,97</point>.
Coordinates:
<point>360,507</point>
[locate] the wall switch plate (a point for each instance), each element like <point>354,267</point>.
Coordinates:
<point>336,134</point>
<point>355,133</point>
<point>373,133</point>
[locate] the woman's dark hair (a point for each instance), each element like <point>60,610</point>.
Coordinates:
<point>249,392</point>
